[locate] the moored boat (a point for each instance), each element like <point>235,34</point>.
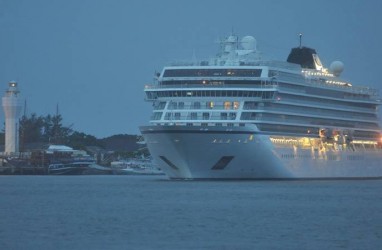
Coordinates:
<point>60,159</point>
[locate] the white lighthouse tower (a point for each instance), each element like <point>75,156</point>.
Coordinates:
<point>12,109</point>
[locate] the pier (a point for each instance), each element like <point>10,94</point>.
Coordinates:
<point>21,163</point>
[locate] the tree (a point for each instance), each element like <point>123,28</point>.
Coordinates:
<point>30,128</point>
<point>48,129</point>
<point>54,131</point>
<point>80,140</point>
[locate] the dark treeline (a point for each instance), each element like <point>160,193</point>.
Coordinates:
<point>50,129</point>
<point>37,130</point>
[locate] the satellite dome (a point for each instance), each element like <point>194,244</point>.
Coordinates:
<point>248,43</point>
<point>337,67</point>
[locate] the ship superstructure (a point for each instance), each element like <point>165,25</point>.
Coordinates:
<point>238,116</point>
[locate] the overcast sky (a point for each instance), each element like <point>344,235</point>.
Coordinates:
<point>93,57</point>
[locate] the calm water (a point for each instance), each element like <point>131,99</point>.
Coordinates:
<point>150,212</point>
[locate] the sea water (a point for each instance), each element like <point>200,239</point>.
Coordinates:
<point>151,212</point>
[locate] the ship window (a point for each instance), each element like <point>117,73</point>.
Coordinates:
<point>156,116</point>
<point>235,105</point>
<point>159,105</point>
<point>249,105</point>
<point>196,105</point>
<point>222,163</point>
<point>223,116</point>
<point>272,73</point>
<point>210,105</point>
<point>168,162</point>
<point>173,105</point>
<point>194,115</point>
<point>227,105</point>
<point>206,116</point>
<point>177,116</point>
<point>181,105</point>
<point>168,116</point>
<point>212,72</point>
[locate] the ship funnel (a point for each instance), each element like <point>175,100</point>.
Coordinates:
<point>306,57</point>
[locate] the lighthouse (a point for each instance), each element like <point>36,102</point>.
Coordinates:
<point>12,109</point>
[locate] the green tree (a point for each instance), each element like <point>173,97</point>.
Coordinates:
<point>54,131</point>
<point>30,128</point>
<point>80,140</point>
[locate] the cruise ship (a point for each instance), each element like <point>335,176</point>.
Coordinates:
<point>237,116</point>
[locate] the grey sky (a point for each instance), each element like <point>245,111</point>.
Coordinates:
<point>93,57</point>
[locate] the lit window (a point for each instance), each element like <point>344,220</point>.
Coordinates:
<point>235,105</point>
<point>227,105</point>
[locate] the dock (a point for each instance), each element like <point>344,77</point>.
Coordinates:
<point>20,163</point>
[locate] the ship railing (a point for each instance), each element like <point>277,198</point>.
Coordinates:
<point>324,104</point>
<point>206,115</point>
<point>200,117</point>
<point>305,121</point>
<point>190,63</point>
<point>263,85</point>
<point>346,87</point>
<point>365,90</point>
<point>199,108</point>
<point>298,111</point>
<point>348,96</point>
<point>322,82</point>
<point>276,64</point>
<point>238,61</point>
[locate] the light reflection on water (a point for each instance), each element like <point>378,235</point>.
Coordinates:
<point>150,212</point>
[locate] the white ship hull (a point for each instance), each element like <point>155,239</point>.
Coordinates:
<point>243,153</point>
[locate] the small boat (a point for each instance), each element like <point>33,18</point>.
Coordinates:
<point>61,160</point>
<point>136,166</point>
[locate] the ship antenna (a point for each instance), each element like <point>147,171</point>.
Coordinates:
<point>25,107</point>
<point>300,35</point>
